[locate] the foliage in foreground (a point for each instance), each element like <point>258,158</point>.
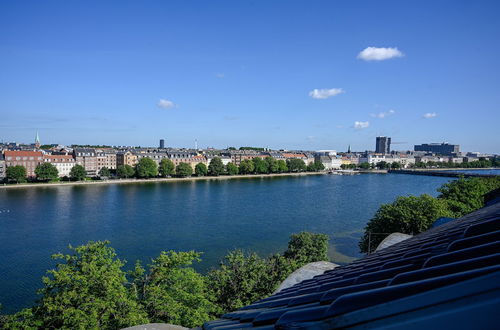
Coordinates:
<point>244,278</point>
<point>89,289</point>
<point>86,291</point>
<point>413,215</point>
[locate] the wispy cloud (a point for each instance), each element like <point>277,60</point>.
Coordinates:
<point>429,115</point>
<point>166,104</point>
<point>220,75</point>
<point>383,114</point>
<point>311,138</point>
<point>231,118</point>
<point>325,93</point>
<point>361,124</point>
<point>379,53</point>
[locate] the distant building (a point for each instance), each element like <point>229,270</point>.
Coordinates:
<point>383,145</point>
<point>162,144</point>
<point>178,157</point>
<point>106,159</point>
<point>29,159</point>
<point>2,167</point>
<point>87,158</point>
<point>63,163</point>
<point>126,158</point>
<point>439,148</point>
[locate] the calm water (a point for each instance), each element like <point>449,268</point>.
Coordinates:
<point>141,220</point>
<point>481,171</point>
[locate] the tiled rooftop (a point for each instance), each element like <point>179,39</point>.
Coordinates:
<point>448,276</point>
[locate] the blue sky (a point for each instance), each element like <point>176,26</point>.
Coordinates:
<point>240,73</point>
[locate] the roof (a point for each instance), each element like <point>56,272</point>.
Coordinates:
<point>446,277</point>
<point>291,155</point>
<point>15,153</point>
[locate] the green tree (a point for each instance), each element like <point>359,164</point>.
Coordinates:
<point>260,166</point>
<point>146,168</point>
<point>78,173</point>
<point>216,167</point>
<point>296,165</point>
<point>239,280</point>
<point>16,173</point>
<point>166,168</point>
<point>246,167</point>
<point>466,195</point>
<point>125,171</point>
<point>86,290</point>
<point>231,169</point>
<point>282,167</point>
<point>364,166</point>
<point>272,164</point>
<point>307,247</point>
<point>396,165</point>
<point>200,169</point>
<point>407,215</point>
<point>183,170</point>
<point>104,172</point>
<point>172,292</point>
<point>316,166</point>
<point>243,278</point>
<point>382,165</point>
<point>46,172</point>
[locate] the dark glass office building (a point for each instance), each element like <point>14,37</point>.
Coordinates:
<point>383,145</point>
<point>439,148</point>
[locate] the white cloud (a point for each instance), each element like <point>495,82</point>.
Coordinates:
<point>361,124</point>
<point>220,75</point>
<point>325,93</point>
<point>379,54</point>
<point>429,115</point>
<point>166,104</point>
<point>382,115</point>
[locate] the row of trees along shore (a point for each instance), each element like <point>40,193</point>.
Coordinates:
<point>90,288</point>
<point>148,168</point>
<point>383,165</point>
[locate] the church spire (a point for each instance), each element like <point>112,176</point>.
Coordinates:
<point>37,140</point>
<point>349,149</point>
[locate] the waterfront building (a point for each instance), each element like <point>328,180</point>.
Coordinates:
<point>383,145</point>
<point>29,159</point>
<point>329,162</point>
<point>197,159</point>
<point>309,158</point>
<point>2,167</point>
<point>427,159</point>
<point>106,159</point>
<point>126,158</point>
<point>290,155</point>
<point>439,148</point>
<point>87,158</point>
<point>181,156</point>
<point>63,163</point>
<point>156,156</point>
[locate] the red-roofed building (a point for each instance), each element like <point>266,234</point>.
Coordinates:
<point>29,159</point>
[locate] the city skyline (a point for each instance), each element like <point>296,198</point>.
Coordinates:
<point>279,74</point>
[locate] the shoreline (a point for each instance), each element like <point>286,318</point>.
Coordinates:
<point>155,180</point>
